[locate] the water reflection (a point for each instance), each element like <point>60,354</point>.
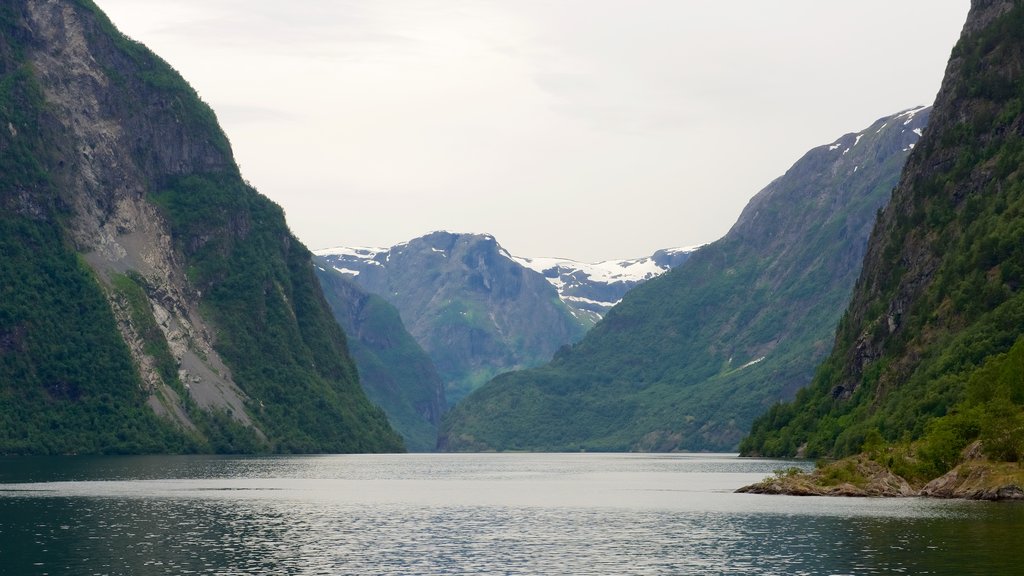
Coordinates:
<point>492,514</point>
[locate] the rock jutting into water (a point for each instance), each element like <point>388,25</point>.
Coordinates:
<point>976,479</point>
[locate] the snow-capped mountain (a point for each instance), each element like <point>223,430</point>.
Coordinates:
<point>473,308</point>
<point>591,289</point>
<point>588,289</point>
<point>478,311</point>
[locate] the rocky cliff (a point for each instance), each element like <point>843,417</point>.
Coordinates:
<point>119,178</point>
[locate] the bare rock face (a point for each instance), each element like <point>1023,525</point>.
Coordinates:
<point>106,178</point>
<point>979,479</point>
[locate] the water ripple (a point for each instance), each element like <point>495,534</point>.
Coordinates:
<point>525,515</point>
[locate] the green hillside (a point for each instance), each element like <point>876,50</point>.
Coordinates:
<point>688,359</point>
<point>928,357</point>
<point>395,372</point>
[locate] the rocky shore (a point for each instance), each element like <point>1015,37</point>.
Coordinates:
<point>859,476</point>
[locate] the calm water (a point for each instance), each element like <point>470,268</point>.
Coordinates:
<point>517,514</point>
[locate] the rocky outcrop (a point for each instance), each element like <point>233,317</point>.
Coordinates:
<point>979,481</point>
<point>857,477</point>
<point>978,478</point>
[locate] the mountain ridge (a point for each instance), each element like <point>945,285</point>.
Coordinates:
<point>687,359</point>
<point>588,288</point>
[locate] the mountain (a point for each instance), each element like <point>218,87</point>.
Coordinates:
<point>473,309</point>
<point>395,372</point>
<point>689,358</point>
<point>151,300</point>
<point>926,367</point>
<point>590,290</point>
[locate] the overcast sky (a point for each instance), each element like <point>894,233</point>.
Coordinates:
<point>586,129</point>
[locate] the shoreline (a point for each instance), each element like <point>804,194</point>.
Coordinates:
<point>860,477</point>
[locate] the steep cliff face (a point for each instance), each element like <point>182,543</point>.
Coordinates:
<point>475,310</point>
<point>121,135</point>
<point>688,359</point>
<point>116,157</point>
<point>394,371</point>
<point>939,303</point>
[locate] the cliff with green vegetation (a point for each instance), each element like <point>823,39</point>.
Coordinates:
<point>395,372</point>
<point>688,359</point>
<point>927,371</point>
<point>151,300</point>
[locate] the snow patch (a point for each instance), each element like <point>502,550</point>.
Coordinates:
<point>359,252</point>
<point>909,114</point>
<point>608,271</point>
<point>346,270</point>
<point>583,300</point>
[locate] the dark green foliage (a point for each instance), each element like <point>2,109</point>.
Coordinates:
<point>924,344</point>
<point>687,360</point>
<point>67,383</point>
<point>273,328</point>
<point>395,372</point>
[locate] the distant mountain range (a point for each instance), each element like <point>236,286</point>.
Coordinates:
<point>473,309</point>
<point>588,289</point>
<point>478,310</point>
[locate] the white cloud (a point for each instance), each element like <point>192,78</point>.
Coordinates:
<point>540,122</point>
